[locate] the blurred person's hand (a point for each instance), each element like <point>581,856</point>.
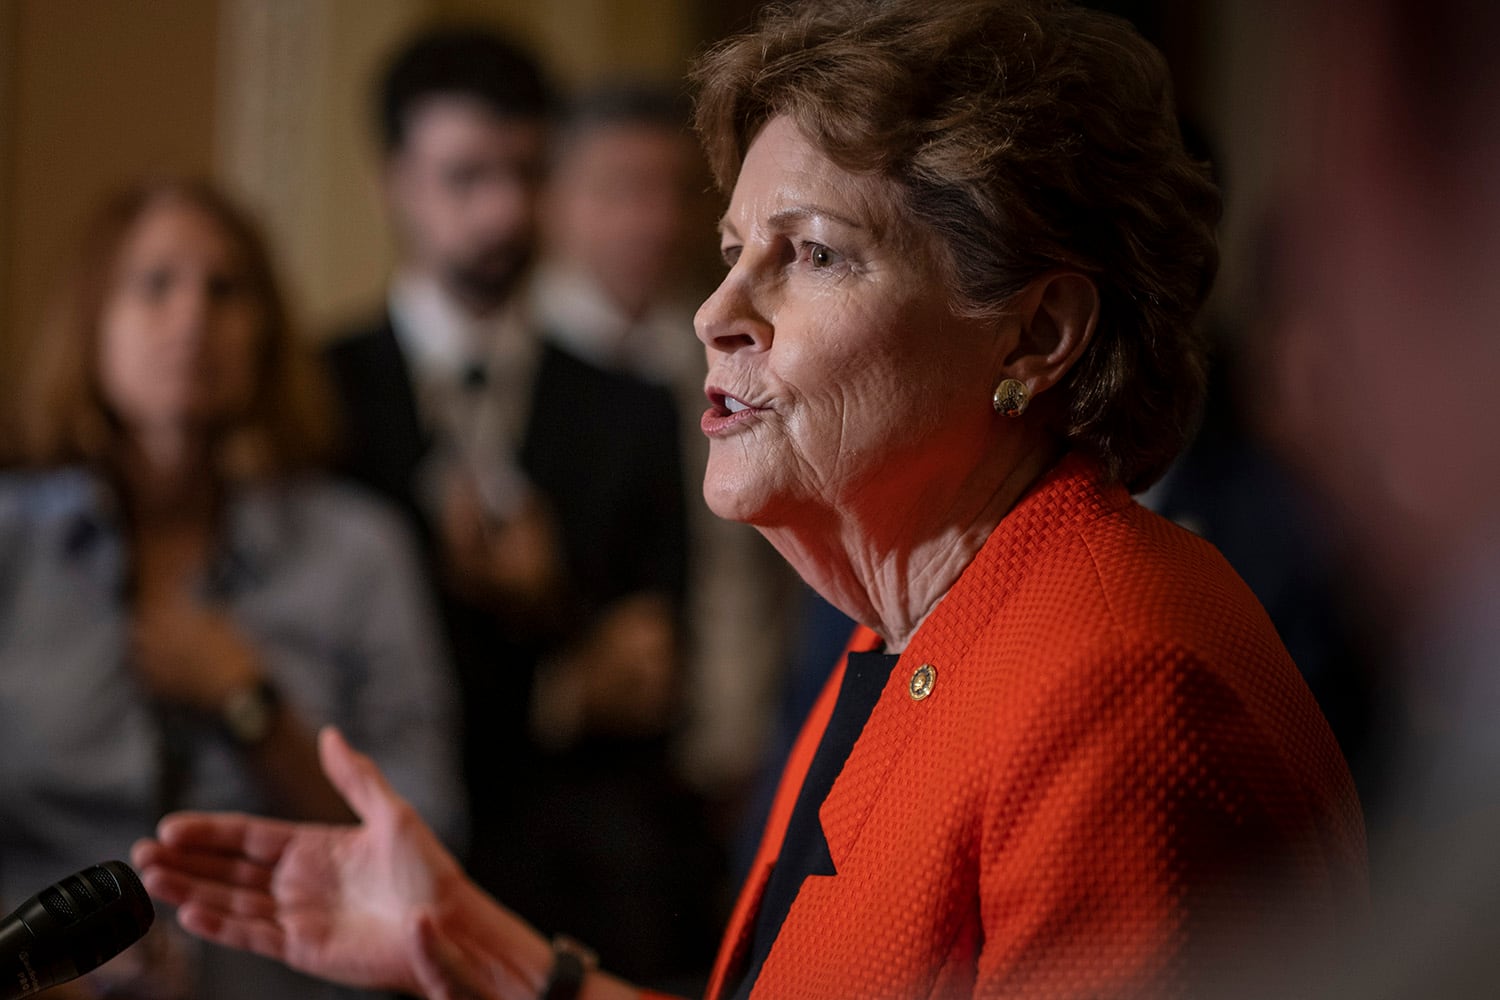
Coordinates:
<point>192,656</point>
<point>621,679</point>
<point>514,565</point>
<point>196,658</point>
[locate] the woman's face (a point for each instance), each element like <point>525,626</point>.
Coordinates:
<point>838,374</point>
<point>181,327</point>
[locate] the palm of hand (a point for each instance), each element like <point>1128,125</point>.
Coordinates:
<point>343,897</point>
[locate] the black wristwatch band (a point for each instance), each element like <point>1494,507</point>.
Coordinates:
<point>571,962</point>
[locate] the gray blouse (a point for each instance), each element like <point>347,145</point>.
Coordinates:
<point>323,582</point>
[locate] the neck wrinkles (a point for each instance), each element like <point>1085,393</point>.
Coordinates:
<point>889,564</point>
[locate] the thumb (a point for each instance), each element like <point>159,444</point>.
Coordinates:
<point>354,775</point>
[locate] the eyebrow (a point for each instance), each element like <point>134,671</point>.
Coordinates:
<point>781,219</point>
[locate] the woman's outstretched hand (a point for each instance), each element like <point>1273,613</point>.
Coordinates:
<point>381,905</point>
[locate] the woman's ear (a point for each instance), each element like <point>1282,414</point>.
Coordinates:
<point>1058,313</point>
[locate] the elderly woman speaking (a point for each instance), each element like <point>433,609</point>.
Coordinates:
<point>1066,755</point>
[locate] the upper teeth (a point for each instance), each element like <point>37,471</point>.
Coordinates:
<point>734,405</point>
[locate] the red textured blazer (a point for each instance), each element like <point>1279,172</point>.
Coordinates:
<point>1116,775</point>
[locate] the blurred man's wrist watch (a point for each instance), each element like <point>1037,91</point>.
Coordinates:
<point>249,713</point>
<point>571,962</point>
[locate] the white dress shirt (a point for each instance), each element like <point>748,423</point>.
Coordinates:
<point>473,378</point>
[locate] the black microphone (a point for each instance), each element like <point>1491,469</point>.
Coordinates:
<point>72,927</point>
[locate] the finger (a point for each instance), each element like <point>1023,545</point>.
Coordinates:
<point>256,934</point>
<point>355,776</point>
<point>253,837</point>
<point>146,852</point>
<point>225,869</point>
<point>177,889</point>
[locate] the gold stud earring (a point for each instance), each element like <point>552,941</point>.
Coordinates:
<point>1011,397</point>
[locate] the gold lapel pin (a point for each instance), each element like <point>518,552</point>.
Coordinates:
<point>923,680</point>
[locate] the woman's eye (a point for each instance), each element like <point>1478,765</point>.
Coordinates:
<point>820,256</point>
<point>730,255</point>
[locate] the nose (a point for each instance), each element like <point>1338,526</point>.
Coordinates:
<point>189,309</point>
<point>729,320</point>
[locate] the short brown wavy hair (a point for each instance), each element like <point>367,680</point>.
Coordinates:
<point>62,414</point>
<point>1026,136</point>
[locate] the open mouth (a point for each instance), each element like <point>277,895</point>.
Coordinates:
<point>727,404</point>
<point>727,413</point>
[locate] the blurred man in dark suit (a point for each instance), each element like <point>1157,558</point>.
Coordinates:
<point>548,488</point>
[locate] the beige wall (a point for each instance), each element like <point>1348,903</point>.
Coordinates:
<point>295,143</point>
<point>8,19</point>
<point>95,91</point>
<point>586,39</point>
